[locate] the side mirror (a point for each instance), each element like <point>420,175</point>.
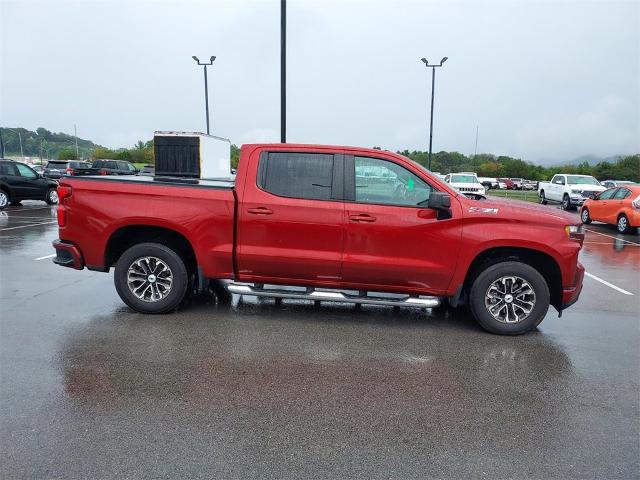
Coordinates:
<point>441,203</point>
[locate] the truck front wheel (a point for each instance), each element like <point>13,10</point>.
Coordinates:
<point>151,278</point>
<point>509,298</point>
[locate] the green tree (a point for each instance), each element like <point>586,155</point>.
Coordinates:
<point>67,154</point>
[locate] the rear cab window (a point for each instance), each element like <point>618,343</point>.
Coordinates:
<point>305,175</point>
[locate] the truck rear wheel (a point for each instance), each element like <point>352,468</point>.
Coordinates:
<point>509,298</point>
<point>151,278</point>
<point>541,198</point>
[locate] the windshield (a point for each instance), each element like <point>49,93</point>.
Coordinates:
<point>576,180</point>
<point>463,179</point>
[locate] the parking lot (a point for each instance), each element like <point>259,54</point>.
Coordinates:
<point>91,389</point>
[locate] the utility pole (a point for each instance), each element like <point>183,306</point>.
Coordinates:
<point>206,85</point>
<point>283,71</point>
<point>75,134</point>
<point>475,150</point>
<point>433,82</point>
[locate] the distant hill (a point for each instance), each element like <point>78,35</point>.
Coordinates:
<point>42,143</point>
<point>590,159</point>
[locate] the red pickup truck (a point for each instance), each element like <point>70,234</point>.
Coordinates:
<point>323,223</point>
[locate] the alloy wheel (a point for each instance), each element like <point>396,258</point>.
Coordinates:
<point>622,224</point>
<point>510,299</point>
<point>149,279</point>
<point>53,196</point>
<point>585,215</point>
<point>3,199</point>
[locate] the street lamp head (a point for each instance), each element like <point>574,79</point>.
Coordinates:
<point>444,59</point>
<point>426,62</point>
<point>213,57</point>
<point>195,58</point>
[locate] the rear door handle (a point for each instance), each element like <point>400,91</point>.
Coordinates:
<point>260,211</point>
<point>363,217</point>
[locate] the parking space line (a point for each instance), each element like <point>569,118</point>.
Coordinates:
<point>26,226</point>
<point>611,243</point>
<point>18,210</point>
<point>610,285</point>
<point>46,256</point>
<point>611,236</point>
<point>13,217</point>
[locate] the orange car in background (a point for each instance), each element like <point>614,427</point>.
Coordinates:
<point>619,206</point>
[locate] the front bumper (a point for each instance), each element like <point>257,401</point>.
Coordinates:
<point>67,255</point>
<point>571,294</point>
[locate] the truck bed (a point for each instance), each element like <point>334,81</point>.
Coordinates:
<point>225,183</point>
<point>103,209</point>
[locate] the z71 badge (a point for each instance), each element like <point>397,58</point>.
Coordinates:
<point>483,210</point>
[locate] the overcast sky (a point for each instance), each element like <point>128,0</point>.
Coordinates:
<point>543,81</point>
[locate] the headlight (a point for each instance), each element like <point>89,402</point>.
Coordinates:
<point>575,232</point>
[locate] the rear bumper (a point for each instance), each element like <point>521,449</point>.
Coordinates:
<point>67,255</point>
<point>570,295</point>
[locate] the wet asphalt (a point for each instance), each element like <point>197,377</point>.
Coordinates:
<point>90,389</point>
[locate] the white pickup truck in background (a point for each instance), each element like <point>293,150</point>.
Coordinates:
<point>569,190</point>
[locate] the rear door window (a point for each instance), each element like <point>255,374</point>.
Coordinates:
<point>607,194</point>
<point>297,175</point>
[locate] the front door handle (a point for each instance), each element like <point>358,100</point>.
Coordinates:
<point>363,217</point>
<point>260,211</point>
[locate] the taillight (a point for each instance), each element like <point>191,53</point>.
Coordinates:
<point>69,171</point>
<point>104,172</point>
<point>636,203</point>
<point>62,216</point>
<point>64,191</point>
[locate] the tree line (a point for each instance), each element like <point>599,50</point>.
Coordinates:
<point>488,165</point>
<point>46,144</point>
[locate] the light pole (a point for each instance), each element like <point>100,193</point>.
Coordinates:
<point>206,85</point>
<point>283,71</point>
<point>20,137</point>
<point>75,134</point>
<point>433,82</point>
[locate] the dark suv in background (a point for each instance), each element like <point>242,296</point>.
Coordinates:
<point>114,167</point>
<point>21,182</point>
<point>59,168</point>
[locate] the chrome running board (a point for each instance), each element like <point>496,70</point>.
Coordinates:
<point>334,296</point>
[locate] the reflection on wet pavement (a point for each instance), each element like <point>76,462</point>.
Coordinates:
<point>254,389</point>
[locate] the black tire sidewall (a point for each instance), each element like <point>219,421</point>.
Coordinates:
<point>588,220</point>
<point>543,199</point>
<point>568,202</point>
<point>492,273</point>
<point>175,263</point>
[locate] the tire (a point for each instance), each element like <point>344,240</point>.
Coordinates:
<point>566,203</point>
<point>584,216</point>
<point>480,299</point>
<point>52,196</point>
<point>132,274</point>
<point>623,226</point>
<point>5,200</point>
<point>541,198</point>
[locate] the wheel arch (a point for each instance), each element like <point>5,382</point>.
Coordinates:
<point>544,263</point>
<point>127,236</point>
